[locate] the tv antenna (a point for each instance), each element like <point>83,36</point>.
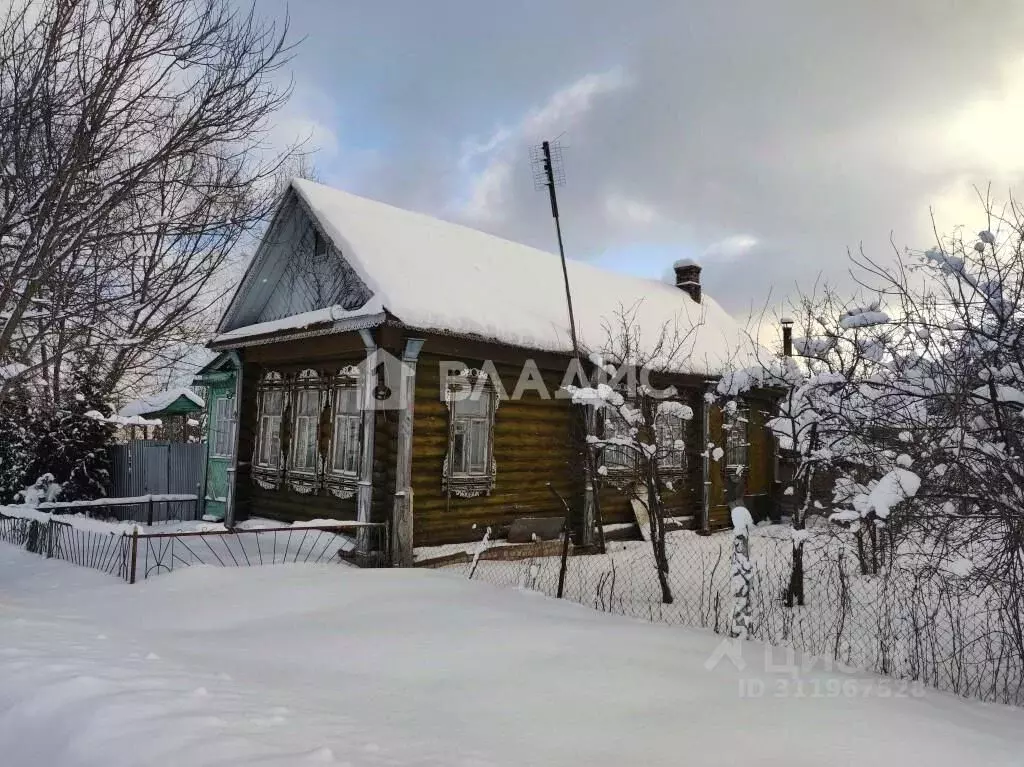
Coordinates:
<point>549,173</point>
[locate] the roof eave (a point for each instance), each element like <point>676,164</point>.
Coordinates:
<point>226,342</point>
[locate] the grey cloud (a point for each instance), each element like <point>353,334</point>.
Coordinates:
<point>805,125</point>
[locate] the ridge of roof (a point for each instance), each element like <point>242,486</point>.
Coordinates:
<point>442,276</point>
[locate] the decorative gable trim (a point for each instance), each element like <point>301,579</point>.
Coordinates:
<point>310,278</point>
<point>256,263</point>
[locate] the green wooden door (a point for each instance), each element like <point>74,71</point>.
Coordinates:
<point>220,436</point>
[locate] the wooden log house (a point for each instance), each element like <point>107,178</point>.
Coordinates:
<point>353,323</point>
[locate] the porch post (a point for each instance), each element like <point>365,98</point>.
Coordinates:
<point>705,466</point>
<point>402,519</point>
<point>589,489</point>
<point>232,472</point>
<point>364,496</point>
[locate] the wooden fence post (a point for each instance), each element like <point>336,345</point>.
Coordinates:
<point>149,512</point>
<point>741,574</point>
<point>134,556</point>
<point>566,529</point>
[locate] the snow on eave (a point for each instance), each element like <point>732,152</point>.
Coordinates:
<point>336,319</point>
<point>123,420</point>
<point>156,402</point>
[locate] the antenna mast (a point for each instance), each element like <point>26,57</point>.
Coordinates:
<point>548,172</point>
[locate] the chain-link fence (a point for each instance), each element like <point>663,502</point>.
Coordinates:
<point>904,622</point>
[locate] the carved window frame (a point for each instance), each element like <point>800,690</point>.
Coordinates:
<point>222,426</point>
<point>306,479</point>
<point>666,470</point>
<point>465,484</point>
<point>736,426</point>
<point>611,424</point>
<point>267,474</point>
<point>343,484</point>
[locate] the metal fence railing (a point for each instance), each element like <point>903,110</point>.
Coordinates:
<point>135,556</point>
<point>902,621</point>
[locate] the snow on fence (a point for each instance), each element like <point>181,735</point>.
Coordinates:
<point>902,622</point>
<point>134,553</point>
<point>148,509</point>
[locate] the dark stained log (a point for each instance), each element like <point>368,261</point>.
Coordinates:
<point>288,506</point>
<point>303,350</point>
<point>534,443</point>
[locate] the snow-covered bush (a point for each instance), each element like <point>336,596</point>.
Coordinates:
<point>17,442</point>
<point>44,490</point>
<point>741,574</point>
<point>61,442</point>
<point>74,447</point>
<point>910,404</point>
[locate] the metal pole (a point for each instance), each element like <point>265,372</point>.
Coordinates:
<point>548,169</point>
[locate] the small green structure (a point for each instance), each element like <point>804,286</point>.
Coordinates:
<point>219,377</point>
<point>172,411</point>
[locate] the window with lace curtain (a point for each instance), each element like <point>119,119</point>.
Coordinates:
<point>737,442</point>
<point>616,458</point>
<point>469,469</point>
<point>347,433</point>
<point>670,431</point>
<point>222,427</point>
<point>270,415</point>
<point>307,421</point>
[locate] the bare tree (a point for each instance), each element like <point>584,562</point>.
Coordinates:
<point>640,445</point>
<point>838,417</point>
<point>132,163</point>
<point>960,307</point>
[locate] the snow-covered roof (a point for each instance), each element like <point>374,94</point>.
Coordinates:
<point>123,420</point>
<point>439,276</point>
<point>336,315</point>
<point>154,403</point>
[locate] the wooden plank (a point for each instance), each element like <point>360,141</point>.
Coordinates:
<point>303,350</point>
<point>641,511</point>
<point>757,451</point>
<point>716,469</point>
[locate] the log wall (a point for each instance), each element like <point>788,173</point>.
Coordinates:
<point>533,445</point>
<point>536,441</point>
<point>284,505</point>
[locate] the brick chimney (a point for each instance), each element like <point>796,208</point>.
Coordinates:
<point>688,277</point>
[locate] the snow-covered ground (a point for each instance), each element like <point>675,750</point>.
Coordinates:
<point>901,623</point>
<point>305,664</point>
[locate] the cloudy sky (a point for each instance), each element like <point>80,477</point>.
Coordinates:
<point>763,138</point>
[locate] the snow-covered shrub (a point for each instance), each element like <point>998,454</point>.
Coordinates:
<point>72,446</point>
<point>17,443</point>
<point>741,574</point>
<point>44,490</point>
